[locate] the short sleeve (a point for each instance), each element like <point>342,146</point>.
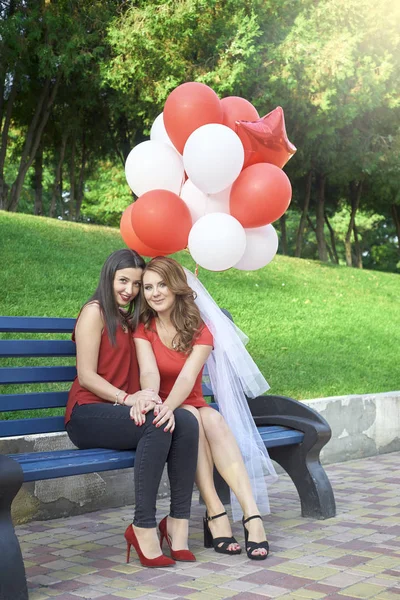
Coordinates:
<point>141,333</point>
<point>205,337</point>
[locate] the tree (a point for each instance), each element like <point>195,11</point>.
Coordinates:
<point>49,44</point>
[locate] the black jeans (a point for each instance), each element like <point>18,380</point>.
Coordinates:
<point>108,426</point>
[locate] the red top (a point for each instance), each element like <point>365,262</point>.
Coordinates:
<point>117,364</point>
<point>170,362</point>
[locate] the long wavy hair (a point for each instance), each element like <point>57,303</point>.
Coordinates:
<point>104,294</point>
<point>185,316</point>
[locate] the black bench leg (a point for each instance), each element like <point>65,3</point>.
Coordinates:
<point>309,477</point>
<point>12,570</point>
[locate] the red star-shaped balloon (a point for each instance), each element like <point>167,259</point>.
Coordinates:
<point>265,140</point>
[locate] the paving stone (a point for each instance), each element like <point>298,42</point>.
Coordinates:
<point>272,591</point>
<point>354,556</point>
<point>248,596</point>
<point>362,590</point>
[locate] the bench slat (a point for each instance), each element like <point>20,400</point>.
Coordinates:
<point>206,389</point>
<point>30,401</point>
<point>61,463</point>
<point>285,437</point>
<point>31,426</point>
<point>20,375</point>
<point>36,324</point>
<point>14,348</point>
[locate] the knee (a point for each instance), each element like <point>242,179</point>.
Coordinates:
<point>153,430</point>
<point>186,421</point>
<point>213,423</point>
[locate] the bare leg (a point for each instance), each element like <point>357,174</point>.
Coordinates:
<point>178,531</point>
<point>229,462</point>
<point>205,482</point>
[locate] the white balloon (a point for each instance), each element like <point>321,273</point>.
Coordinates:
<point>261,247</point>
<point>201,204</point>
<point>217,241</point>
<point>154,165</point>
<point>158,133</point>
<point>213,157</point>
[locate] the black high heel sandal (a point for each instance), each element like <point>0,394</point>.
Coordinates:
<point>251,546</point>
<point>220,544</point>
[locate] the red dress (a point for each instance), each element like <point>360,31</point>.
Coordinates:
<point>170,362</point>
<point>117,364</point>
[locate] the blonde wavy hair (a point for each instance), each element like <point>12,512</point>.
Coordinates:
<point>185,315</point>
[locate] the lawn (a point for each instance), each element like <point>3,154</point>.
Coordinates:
<point>315,330</point>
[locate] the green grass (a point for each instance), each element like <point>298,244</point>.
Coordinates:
<point>315,330</point>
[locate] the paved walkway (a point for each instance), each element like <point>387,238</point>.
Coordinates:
<point>355,555</point>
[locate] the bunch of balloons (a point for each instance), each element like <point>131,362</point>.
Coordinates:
<point>209,179</point>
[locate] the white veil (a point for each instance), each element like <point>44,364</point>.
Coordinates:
<point>233,376</point>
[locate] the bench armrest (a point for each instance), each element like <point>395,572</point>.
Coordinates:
<point>279,410</point>
<point>281,406</point>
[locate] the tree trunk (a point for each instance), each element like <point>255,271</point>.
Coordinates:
<point>284,246</point>
<point>62,203</point>
<point>303,218</point>
<point>33,138</point>
<point>334,255</point>
<point>358,255</point>
<point>57,176</point>
<point>72,179</point>
<point>38,181</point>
<point>4,143</point>
<point>396,219</point>
<point>81,179</point>
<point>2,90</point>
<point>320,210</point>
<point>355,189</point>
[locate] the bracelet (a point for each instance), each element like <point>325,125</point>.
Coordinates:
<point>124,398</point>
<point>116,397</point>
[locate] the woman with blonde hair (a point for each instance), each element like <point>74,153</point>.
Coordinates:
<point>173,342</point>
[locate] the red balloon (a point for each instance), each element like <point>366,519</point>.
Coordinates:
<point>131,239</point>
<point>266,140</point>
<point>188,107</point>
<point>260,195</point>
<point>235,109</point>
<point>162,220</point>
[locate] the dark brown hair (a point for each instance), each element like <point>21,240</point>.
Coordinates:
<point>104,294</point>
<point>185,315</point>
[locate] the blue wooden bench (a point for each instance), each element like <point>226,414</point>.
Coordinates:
<point>293,433</point>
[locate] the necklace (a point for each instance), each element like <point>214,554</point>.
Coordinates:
<point>124,320</point>
<point>172,341</point>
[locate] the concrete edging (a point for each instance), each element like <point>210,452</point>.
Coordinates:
<point>362,425</point>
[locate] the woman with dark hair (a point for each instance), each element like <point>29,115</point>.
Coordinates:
<point>173,344</point>
<point>107,409</point>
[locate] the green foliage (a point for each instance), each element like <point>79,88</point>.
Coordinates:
<point>158,45</point>
<point>333,65</point>
<point>107,195</point>
<point>315,330</point>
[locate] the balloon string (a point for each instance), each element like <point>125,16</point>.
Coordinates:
<point>196,271</point>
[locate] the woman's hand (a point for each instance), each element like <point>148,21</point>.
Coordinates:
<point>141,403</point>
<point>164,416</point>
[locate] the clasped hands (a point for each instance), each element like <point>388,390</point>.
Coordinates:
<point>146,400</point>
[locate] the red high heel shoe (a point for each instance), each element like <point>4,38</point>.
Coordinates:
<point>183,555</point>
<point>131,540</point>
